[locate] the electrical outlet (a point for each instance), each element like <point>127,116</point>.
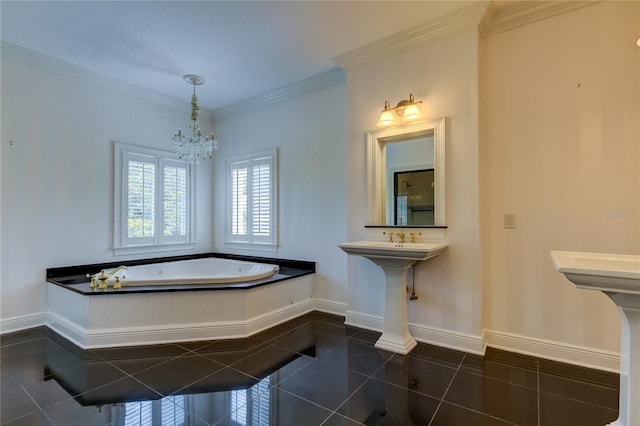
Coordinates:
<point>510,221</point>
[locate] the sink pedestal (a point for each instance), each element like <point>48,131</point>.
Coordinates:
<point>629,408</point>
<point>617,276</point>
<point>395,333</point>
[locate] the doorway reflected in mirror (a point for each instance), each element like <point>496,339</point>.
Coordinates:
<point>413,197</point>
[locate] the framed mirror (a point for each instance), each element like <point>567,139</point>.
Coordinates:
<point>406,175</point>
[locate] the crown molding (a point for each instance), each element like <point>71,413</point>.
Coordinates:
<point>321,81</point>
<point>51,64</point>
<point>435,29</point>
<point>504,16</point>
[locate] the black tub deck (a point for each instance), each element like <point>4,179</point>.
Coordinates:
<point>74,278</point>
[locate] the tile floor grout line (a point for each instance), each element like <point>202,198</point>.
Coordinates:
<point>322,406</point>
<point>37,405</point>
<point>435,413</point>
<point>351,394</point>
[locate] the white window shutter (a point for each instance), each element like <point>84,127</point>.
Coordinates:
<point>252,199</point>
<point>153,201</point>
<point>261,199</point>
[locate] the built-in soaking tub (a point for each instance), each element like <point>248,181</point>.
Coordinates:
<point>196,271</point>
<point>160,303</point>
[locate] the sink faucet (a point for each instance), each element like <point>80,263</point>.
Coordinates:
<point>102,277</point>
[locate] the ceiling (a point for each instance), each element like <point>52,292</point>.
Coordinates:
<point>242,48</point>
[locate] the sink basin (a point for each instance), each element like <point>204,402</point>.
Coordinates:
<point>619,273</point>
<point>617,276</point>
<point>382,251</point>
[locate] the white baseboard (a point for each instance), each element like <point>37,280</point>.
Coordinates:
<point>23,322</point>
<point>330,307</point>
<point>548,349</point>
<point>553,350</point>
<point>449,339</point>
<point>362,320</point>
<point>148,335</point>
<point>425,334</point>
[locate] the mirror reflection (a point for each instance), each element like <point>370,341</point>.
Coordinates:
<point>406,175</point>
<point>410,178</point>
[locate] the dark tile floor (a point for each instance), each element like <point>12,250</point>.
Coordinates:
<point>313,370</point>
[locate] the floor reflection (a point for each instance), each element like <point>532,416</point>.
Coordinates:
<point>311,371</point>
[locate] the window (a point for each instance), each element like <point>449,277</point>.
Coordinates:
<point>252,201</point>
<point>153,200</point>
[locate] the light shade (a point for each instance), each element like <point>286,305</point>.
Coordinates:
<point>411,112</point>
<point>386,118</point>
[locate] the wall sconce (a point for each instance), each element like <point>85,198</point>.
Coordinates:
<point>407,110</point>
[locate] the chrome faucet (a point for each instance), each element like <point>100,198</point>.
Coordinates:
<point>102,277</point>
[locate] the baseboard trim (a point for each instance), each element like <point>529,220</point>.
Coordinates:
<point>330,307</point>
<point>553,350</point>
<point>449,339</point>
<point>424,334</point>
<point>22,322</point>
<point>131,336</point>
<point>149,335</point>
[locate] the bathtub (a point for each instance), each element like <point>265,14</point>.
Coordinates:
<point>195,271</point>
<point>208,306</point>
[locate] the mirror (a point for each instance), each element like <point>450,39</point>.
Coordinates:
<point>406,169</point>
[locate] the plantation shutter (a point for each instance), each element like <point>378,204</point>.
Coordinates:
<point>153,201</point>
<point>252,201</point>
<point>239,200</point>
<point>140,198</point>
<point>175,199</point>
<point>261,198</point>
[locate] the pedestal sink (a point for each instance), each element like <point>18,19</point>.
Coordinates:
<point>395,259</point>
<point>617,276</point>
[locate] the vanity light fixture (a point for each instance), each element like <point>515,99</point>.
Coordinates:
<point>195,146</point>
<point>407,110</point>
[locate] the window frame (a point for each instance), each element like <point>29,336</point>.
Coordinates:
<point>122,243</point>
<point>251,241</point>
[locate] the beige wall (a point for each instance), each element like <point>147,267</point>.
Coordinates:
<point>559,147</point>
<point>443,74</point>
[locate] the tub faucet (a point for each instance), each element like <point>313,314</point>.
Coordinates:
<point>102,277</point>
<point>402,236</point>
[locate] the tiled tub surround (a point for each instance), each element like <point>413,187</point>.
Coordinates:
<point>94,318</point>
<point>312,370</point>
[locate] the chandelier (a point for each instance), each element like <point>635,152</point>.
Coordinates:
<point>195,146</point>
